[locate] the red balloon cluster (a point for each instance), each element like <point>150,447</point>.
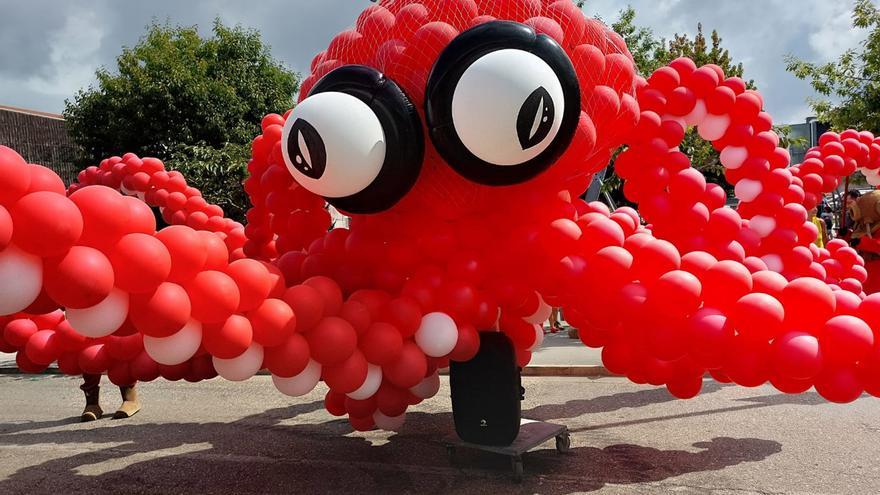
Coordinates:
<point>375,310</point>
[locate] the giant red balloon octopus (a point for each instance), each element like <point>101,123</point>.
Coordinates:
<point>465,218</point>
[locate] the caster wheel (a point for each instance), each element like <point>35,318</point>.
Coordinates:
<point>563,443</point>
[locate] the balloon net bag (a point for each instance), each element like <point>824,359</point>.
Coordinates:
<point>403,39</point>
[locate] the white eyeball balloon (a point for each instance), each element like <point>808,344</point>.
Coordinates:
<point>488,100</point>
<point>428,387</point>
<point>177,348</point>
<point>243,367</point>
<point>387,423</point>
<point>301,384</point>
<point>336,144</point>
<point>101,319</point>
<point>437,334</point>
<point>21,279</point>
<point>371,384</point>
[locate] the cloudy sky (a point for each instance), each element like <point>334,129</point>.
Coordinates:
<point>49,49</point>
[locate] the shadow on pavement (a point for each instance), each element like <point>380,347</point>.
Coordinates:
<point>265,453</point>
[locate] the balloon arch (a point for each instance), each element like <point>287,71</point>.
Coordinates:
<point>458,135</point>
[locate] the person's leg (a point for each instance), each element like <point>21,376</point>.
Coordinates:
<point>130,404</point>
<point>90,387</point>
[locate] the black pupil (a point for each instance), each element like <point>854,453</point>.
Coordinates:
<point>306,149</point>
<point>535,118</point>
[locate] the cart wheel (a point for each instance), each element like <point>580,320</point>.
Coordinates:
<point>563,443</point>
<point>517,464</point>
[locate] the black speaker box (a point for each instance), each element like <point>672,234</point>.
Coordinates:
<point>486,393</point>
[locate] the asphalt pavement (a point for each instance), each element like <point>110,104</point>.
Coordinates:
<point>219,437</point>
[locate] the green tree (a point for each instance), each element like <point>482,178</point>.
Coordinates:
<point>853,80</point>
<point>175,87</point>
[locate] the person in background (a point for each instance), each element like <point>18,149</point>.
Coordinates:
<point>822,238</point>
<point>849,200</point>
<point>555,326</point>
<point>91,386</point>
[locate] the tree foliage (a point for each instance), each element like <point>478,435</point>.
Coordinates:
<point>853,80</point>
<point>217,172</point>
<point>176,87</point>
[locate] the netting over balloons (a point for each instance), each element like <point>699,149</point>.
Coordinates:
<point>458,135</point>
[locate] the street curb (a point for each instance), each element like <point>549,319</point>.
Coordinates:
<point>570,371</point>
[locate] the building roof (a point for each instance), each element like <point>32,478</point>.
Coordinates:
<point>37,113</point>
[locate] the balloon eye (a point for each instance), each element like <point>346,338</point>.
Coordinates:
<point>356,141</point>
<point>502,103</point>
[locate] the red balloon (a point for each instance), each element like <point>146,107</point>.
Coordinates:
<point>409,369</point>
<point>840,385</point>
<point>382,344</point>
<point>330,293</point>
<point>254,282</point>
<point>214,296</point>
<point>188,252</point>
<point>105,215</point>
<point>685,387</point>
<point>797,356</point>
<point>144,368</point>
<point>468,344</point>
<point>218,254</point>
<point>710,334</point>
<point>332,341</point>
<point>5,228</point>
<point>228,339</point>
<point>162,313</point>
<point>676,294</point>
<point>140,216</point>
<point>288,359</point>
<point>120,374</point>
<point>68,339</point>
<point>808,303</point>
<point>141,262</point>
<point>42,347</point>
<point>14,176</point>
<point>307,304</point>
<point>334,403</point>
<point>95,359</point>
<point>347,376</point>
<point>47,224</point>
<point>44,179</point>
<point>17,332</point>
<point>26,365</point>
<point>758,316</point>
<point>654,259</point>
<point>725,283</point>
<point>68,363</point>
<point>273,322</point>
<point>846,339</point>
<point>80,279</point>
<point>125,348</point>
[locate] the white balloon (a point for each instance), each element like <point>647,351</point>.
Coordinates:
<point>697,115</point>
<point>539,338</point>
<point>101,319</point>
<point>371,384</point>
<point>437,335</point>
<point>386,423</point>
<point>21,279</point>
<point>243,367</point>
<point>541,314</point>
<point>713,127</point>
<point>747,190</point>
<point>301,384</point>
<point>177,348</point>
<point>762,225</point>
<point>773,262</point>
<point>428,387</point>
<point>733,157</point>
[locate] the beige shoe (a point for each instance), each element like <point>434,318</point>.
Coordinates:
<point>93,411</point>
<point>130,404</point>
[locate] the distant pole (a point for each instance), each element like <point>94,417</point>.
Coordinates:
<point>843,204</point>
